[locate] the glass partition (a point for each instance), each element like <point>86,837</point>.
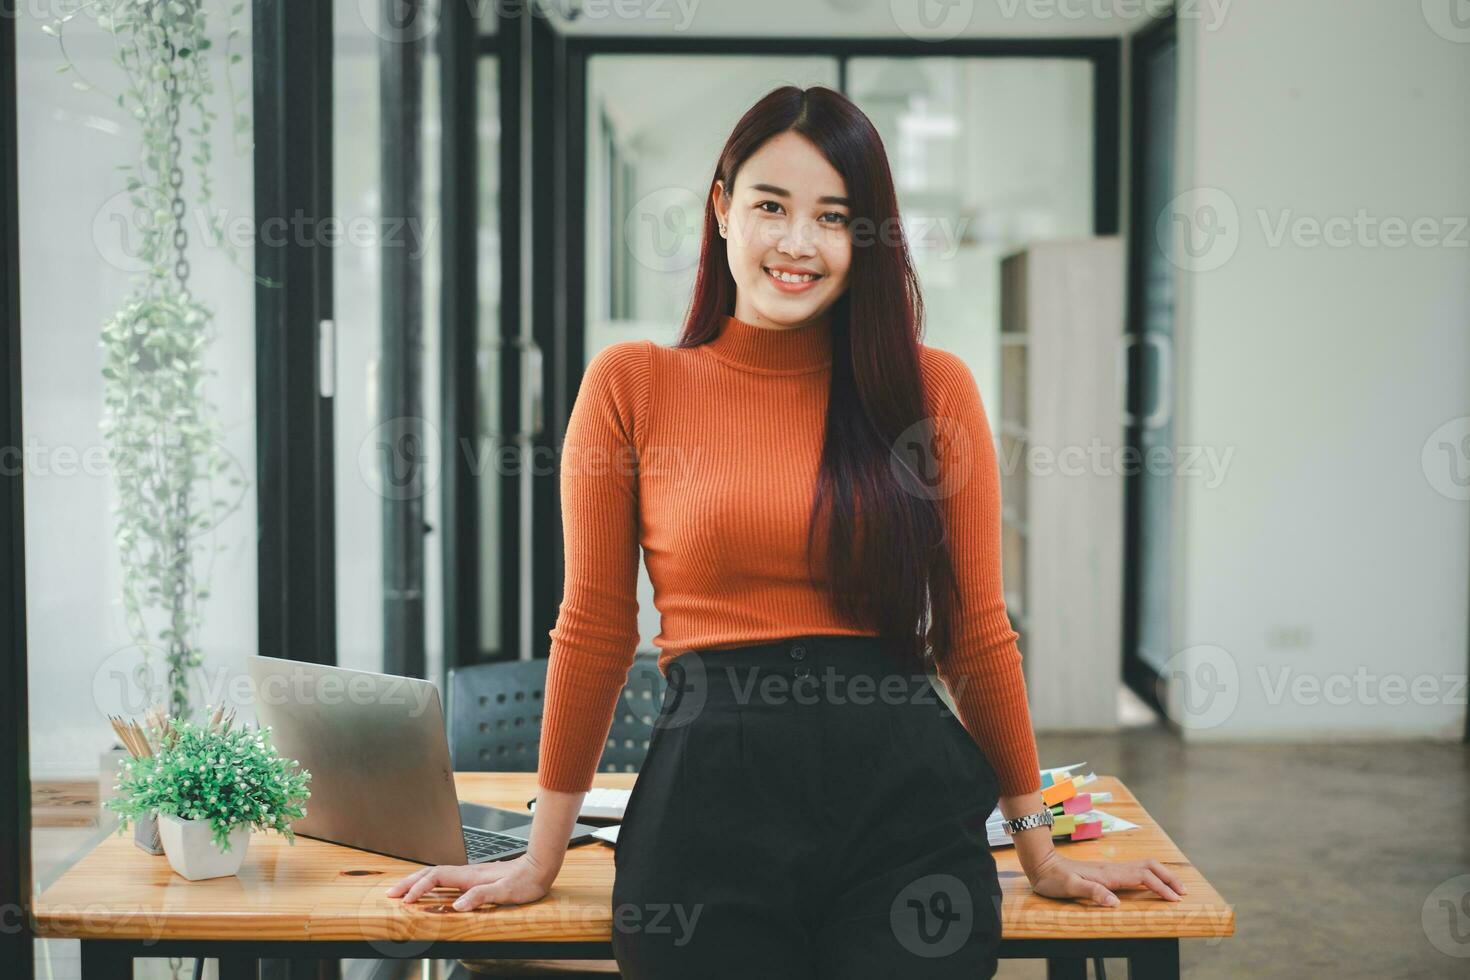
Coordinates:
<point>989,155</point>
<point>356,181</point>
<point>374,450</point>
<point>138,373</point>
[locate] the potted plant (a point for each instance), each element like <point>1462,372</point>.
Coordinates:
<point>210,786</point>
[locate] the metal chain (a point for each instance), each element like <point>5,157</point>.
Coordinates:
<point>175,178</point>
<point>176,175</point>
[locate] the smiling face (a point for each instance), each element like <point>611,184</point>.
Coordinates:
<point>786,230</point>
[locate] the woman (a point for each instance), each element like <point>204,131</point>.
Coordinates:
<point>817,500</point>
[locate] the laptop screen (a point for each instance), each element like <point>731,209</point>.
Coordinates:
<point>491,818</point>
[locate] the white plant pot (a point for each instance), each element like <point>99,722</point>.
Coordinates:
<point>192,852</point>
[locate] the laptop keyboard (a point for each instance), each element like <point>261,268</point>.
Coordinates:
<point>481,844</point>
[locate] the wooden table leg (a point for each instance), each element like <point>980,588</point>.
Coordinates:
<point>102,959</point>
<point>1066,968</point>
<point>1154,959</point>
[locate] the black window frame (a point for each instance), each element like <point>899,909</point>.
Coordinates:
<point>17,946</point>
<point>292,61</point>
<point>1140,676</point>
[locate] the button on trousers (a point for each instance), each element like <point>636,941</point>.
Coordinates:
<point>808,808</point>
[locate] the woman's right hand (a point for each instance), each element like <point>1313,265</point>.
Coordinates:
<point>515,882</point>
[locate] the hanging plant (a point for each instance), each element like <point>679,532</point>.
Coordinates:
<point>165,447</point>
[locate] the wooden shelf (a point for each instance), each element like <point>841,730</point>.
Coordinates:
<point>1062,533</point>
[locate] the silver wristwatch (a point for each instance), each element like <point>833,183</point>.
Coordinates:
<point>1041,818</point>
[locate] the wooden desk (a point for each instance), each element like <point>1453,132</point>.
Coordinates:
<point>320,900</point>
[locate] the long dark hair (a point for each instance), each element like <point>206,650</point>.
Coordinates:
<point>888,556</point>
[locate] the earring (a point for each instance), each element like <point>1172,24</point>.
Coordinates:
<point>722,228</point>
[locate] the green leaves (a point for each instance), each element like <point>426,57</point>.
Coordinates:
<point>167,459</point>
<point>228,777</point>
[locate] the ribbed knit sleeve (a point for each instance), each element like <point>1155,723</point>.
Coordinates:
<point>983,669</point>
<point>596,633</point>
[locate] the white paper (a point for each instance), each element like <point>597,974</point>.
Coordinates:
<point>601,803</point>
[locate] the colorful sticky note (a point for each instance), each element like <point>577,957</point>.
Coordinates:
<point>1087,831</point>
<point>1063,826</point>
<point>1058,791</point>
<point>1046,780</point>
<point>1080,803</point>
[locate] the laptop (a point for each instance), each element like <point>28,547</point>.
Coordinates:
<point>381,778</point>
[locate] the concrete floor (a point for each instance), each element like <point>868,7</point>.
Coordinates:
<point>1300,838</point>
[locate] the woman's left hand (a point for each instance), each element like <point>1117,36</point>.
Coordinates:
<point>519,881</point>
<point>1060,877</point>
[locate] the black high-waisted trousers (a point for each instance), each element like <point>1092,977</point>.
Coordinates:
<point>808,808</point>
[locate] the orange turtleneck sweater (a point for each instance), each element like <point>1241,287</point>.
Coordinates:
<point>707,458</point>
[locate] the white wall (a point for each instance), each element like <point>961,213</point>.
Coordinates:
<point>1330,550</point>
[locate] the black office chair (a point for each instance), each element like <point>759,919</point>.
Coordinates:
<point>495,716</point>
<point>632,724</point>
<point>495,726</point>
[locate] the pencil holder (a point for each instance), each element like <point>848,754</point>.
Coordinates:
<point>145,834</point>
